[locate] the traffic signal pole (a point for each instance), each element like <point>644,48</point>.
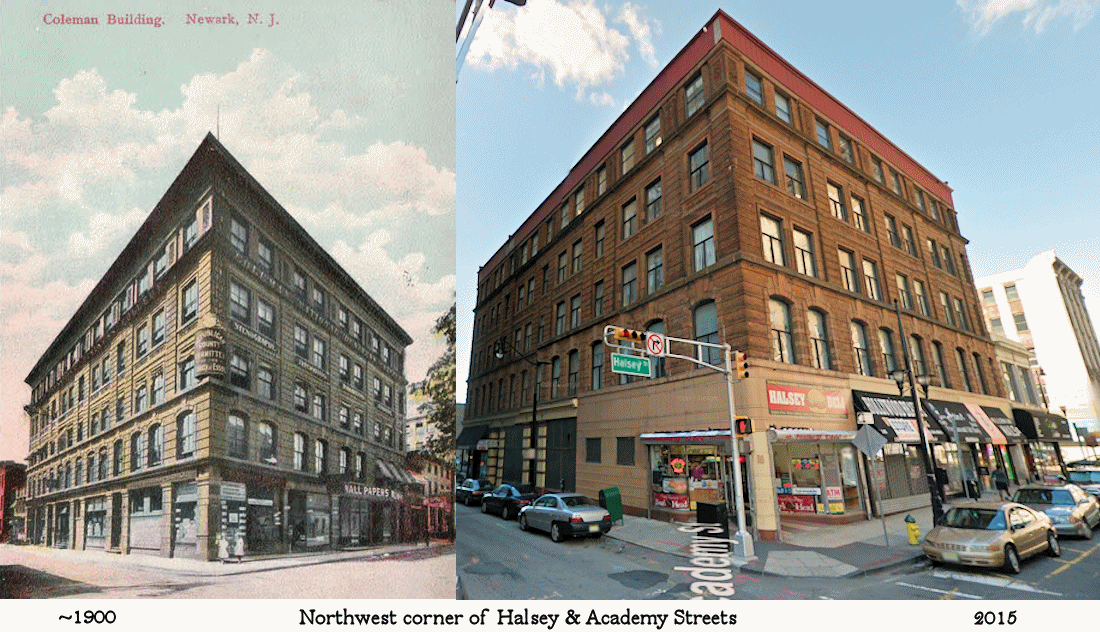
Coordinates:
<point>742,543</point>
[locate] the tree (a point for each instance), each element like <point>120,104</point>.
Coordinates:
<point>437,393</point>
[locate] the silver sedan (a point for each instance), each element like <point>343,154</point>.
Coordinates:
<point>565,515</point>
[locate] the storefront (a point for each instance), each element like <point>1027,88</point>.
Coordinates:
<point>234,517</point>
<point>367,514</point>
<point>95,523</point>
<point>899,471</point>
<point>962,455</point>
<point>61,529</point>
<point>817,474</point>
<point>687,468</point>
<point>1045,433</point>
<point>185,526</point>
<point>1012,457</point>
<point>472,457</point>
<point>146,520</point>
<point>265,521</point>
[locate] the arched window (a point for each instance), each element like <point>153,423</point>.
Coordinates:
<point>300,443</point>
<point>889,358</point>
<point>779,314</point>
<point>916,349</point>
<point>78,476</point>
<point>237,435</point>
<point>320,456</point>
<point>116,461</point>
<point>705,318</point>
<point>555,376</point>
<point>185,434</point>
<point>103,463</point>
<point>960,357</point>
<point>137,452</point>
<point>345,458</point>
<point>938,364</point>
<point>574,370</point>
<point>156,445</point>
<point>268,439</point>
<point>361,466</point>
<point>862,349</point>
<point>819,338</point>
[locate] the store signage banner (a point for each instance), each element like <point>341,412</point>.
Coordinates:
<point>805,400</point>
<point>797,504</point>
<point>670,501</point>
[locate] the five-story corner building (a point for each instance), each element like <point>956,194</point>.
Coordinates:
<point>735,201</point>
<point>226,389</point>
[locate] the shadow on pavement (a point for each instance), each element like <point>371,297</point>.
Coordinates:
<point>21,582</point>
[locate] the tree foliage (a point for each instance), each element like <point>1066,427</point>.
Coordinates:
<point>436,393</point>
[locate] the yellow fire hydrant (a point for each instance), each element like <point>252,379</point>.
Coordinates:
<point>914,530</point>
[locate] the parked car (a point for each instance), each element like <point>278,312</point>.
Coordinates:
<point>991,534</point>
<point>508,499</point>
<point>1087,479</point>
<point>565,515</point>
<point>1084,463</point>
<point>472,490</point>
<point>1071,510</point>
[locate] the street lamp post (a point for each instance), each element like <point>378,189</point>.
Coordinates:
<point>498,351</point>
<point>927,457</point>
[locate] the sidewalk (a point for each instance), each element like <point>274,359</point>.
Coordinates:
<point>807,549</point>
<point>198,568</point>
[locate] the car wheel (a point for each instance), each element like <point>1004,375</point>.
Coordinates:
<point>1054,549</point>
<point>504,513</point>
<point>522,522</point>
<point>1012,559</point>
<point>484,507</point>
<point>555,533</point>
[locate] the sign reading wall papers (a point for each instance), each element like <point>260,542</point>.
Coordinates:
<point>792,399</point>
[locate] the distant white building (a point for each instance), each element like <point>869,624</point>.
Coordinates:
<point>1041,306</point>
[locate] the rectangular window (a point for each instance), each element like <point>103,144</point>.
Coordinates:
<point>240,303</point>
<point>577,263</point>
<point>653,134</point>
<point>846,150</point>
<point>823,134</point>
<point>190,303</point>
<point>601,185</point>
<point>239,370</point>
<point>630,283</point>
<point>804,253</point>
<point>935,254</point>
<point>265,318</point>
<point>904,297</point>
<point>559,319</point>
<point>653,201</point>
<point>699,167</point>
<point>960,314</point>
<point>796,185</point>
<point>626,156</point>
<point>142,341</point>
<point>265,378</point>
<point>565,214</point>
<point>158,328</point>
<point>301,398</point>
<point>574,312</point>
<point>910,241</point>
<point>945,305</point>
<point>601,237</point>
<point>859,214</point>
<point>563,266</point>
<point>301,341</point>
<point>848,270</point>
<point>1011,293</point>
<point>1021,322</point>
<point>592,450</point>
<point>320,353</point>
<point>693,94</point>
<point>578,203</point>
<point>876,166</point>
<point>597,302</point>
<point>836,201</point>
<point>870,277</point>
<point>630,218</point>
<point>948,260</point>
<point>892,231</point>
<point>783,108</point>
<point>624,451</point>
<point>922,298</point>
<point>597,366</point>
<point>320,408</point>
<point>895,182</point>
<point>935,210</point>
<point>238,235</point>
<point>771,233</point>
<point>702,248</point>
<point>763,161</point>
<point>655,276</point>
<point>753,87</point>
<point>920,200</point>
<point>266,254</point>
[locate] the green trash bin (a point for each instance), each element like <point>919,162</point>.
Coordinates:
<point>612,501</point>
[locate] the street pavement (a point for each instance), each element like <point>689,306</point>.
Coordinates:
<point>392,572</point>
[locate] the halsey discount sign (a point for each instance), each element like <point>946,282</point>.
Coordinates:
<point>794,399</point>
<point>630,365</point>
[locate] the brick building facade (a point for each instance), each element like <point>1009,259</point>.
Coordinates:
<point>733,201</point>
<point>226,389</point>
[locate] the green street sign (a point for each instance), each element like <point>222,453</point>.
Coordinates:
<point>630,365</point>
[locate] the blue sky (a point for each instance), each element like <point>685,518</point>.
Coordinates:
<point>996,97</point>
<point>343,111</point>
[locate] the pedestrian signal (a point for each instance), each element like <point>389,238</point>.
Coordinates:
<point>744,426</point>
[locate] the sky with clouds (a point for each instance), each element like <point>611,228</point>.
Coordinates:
<point>996,97</point>
<point>343,111</point>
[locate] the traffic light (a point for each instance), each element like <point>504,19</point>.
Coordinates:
<point>622,333</point>
<point>741,365</point>
<point>744,426</point>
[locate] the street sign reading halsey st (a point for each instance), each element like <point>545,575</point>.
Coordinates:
<point>631,365</point>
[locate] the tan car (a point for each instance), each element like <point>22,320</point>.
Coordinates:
<point>991,534</point>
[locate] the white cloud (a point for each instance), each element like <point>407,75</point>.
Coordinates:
<point>984,14</point>
<point>571,41</point>
<point>103,230</point>
<point>601,98</point>
<point>641,30</point>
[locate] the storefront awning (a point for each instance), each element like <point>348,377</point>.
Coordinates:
<point>894,417</point>
<point>698,437</point>
<point>469,437</point>
<point>955,419</point>
<point>805,434</point>
<point>1041,426</point>
<point>1005,425</point>
<point>385,469</point>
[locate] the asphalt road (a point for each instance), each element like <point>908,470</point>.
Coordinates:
<point>27,574</point>
<point>498,561</point>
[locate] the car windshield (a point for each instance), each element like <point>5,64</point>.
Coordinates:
<point>974,518</point>
<point>577,501</point>
<point>1043,497</point>
<point>1084,477</point>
